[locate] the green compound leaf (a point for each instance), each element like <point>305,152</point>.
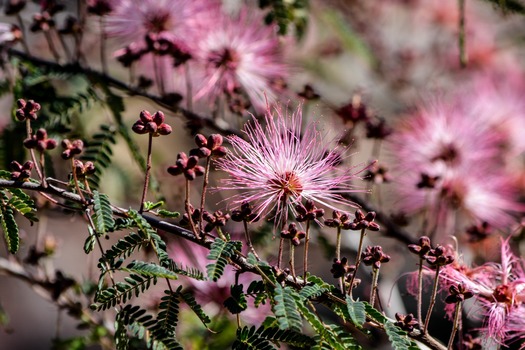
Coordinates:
<point>220,251</point>
<point>150,270</point>
<point>399,338</point>
<point>285,310</point>
<point>10,228</point>
<point>189,299</point>
<point>263,337</point>
<point>356,310</point>
<point>236,303</point>
<point>122,291</point>
<point>103,214</point>
<point>23,203</point>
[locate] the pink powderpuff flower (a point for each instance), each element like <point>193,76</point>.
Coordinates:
<point>211,295</point>
<point>240,53</point>
<point>174,20</point>
<point>448,161</point>
<point>499,290</point>
<point>278,166</point>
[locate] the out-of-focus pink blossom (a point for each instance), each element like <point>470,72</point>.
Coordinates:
<point>240,53</point>
<point>277,166</point>
<point>448,162</point>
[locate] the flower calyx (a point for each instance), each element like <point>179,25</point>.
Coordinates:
<point>27,110</point>
<point>340,268</point>
<point>308,211</point>
<point>21,173</point>
<point>422,247</point>
<point>244,213</point>
<point>364,222</point>
<point>151,124</point>
<point>187,166</point>
<point>71,148</point>
<point>209,147</point>
<point>406,322</point>
<point>40,141</point>
<point>293,234</point>
<point>374,256</point>
<point>458,293</point>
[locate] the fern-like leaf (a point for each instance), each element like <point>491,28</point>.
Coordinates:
<point>186,271</point>
<point>312,291</point>
<point>297,339</point>
<point>102,215</point>
<point>150,270</point>
<point>124,247</point>
<point>248,339</point>
<point>164,329</point>
<point>220,251</point>
<point>10,228</point>
<point>356,310</point>
<point>99,151</point>
<point>23,203</point>
<point>285,310</point>
<point>196,308</point>
<point>398,337</point>
<point>122,292</point>
<point>236,303</point>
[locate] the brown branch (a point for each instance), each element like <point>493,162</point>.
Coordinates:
<point>192,118</point>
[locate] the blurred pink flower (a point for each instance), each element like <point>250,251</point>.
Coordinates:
<point>240,52</point>
<point>447,162</point>
<point>177,20</point>
<point>278,166</point>
<point>500,291</point>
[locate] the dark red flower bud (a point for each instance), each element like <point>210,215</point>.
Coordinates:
<point>164,129</point>
<point>145,116</point>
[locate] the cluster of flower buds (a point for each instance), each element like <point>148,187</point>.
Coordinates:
<point>340,220</point>
<point>309,93</point>
<point>377,174</point>
<point>355,111</point>
<point>340,268</point>
<point>26,110</point>
<point>364,222</point>
<point>209,147</point>
<point>308,211</point>
<point>293,234</point>
<point>439,257</point>
<point>83,169</point>
<point>422,247</point>
<point>13,7</point>
<point>151,124</point>
<point>187,166</point>
<point>40,141</point>
<point>21,172</point>
<point>374,256</point>
<point>195,217</point>
<point>427,181</point>
<point>377,129</point>
<point>458,293</point>
<point>244,213</point>
<point>406,322</point>
<point>217,219</point>
<point>162,45</point>
<point>71,148</point>
<point>42,22</point>
<point>99,7</point>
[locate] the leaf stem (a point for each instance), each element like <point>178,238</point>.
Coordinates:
<point>148,169</point>
<point>432,299</point>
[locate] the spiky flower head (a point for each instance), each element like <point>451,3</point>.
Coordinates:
<point>277,166</point>
<point>499,290</point>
